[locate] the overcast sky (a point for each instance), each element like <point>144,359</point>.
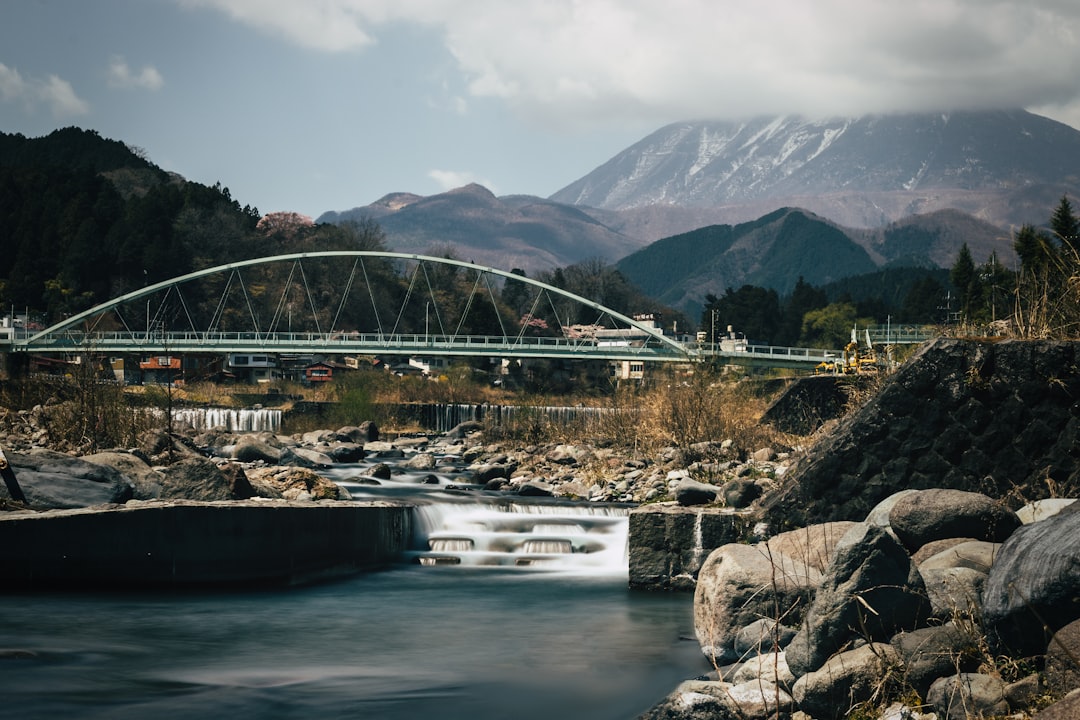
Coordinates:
<point>316,105</point>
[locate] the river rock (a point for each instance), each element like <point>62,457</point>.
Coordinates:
<point>691,492</point>
<point>715,700</point>
<point>845,680</point>
<point>52,480</point>
<point>346,452</point>
<point>305,457</point>
<point>740,492</point>
<point>967,695</point>
<point>196,479</point>
<point>739,584</point>
<point>1042,509</point>
<point>762,636</point>
<point>935,652</point>
<point>1033,584</point>
<point>1067,708</point>
<point>940,513</point>
<point>367,431</point>
<point>250,448</point>
<point>974,554</point>
<point>870,591</point>
<point>145,481</point>
<point>814,545</point>
<point>1062,666</point>
<point>954,592</point>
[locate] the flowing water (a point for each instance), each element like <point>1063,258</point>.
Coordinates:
<point>504,610</point>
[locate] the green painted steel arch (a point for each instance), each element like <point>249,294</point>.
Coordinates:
<point>150,289</point>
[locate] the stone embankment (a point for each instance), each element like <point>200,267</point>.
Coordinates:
<point>920,561</point>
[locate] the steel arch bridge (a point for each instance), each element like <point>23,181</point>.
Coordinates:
<point>173,324</point>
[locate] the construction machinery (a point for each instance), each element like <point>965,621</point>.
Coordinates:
<point>854,360</point>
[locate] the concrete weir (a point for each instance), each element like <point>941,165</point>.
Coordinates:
<point>162,544</point>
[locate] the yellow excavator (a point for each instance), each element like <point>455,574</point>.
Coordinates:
<point>854,359</point>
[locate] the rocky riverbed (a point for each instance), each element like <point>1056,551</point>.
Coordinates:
<point>918,559</point>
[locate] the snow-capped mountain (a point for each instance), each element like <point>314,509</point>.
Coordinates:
<point>1006,167</point>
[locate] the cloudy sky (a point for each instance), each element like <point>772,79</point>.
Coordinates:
<point>316,105</point>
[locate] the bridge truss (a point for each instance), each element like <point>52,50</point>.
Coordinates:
<point>357,302</point>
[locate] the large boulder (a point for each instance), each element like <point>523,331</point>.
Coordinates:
<point>715,700</point>
<point>52,480</point>
<point>937,651</point>
<point>870,592</point>
<point>814,545</point>
<point>846,680</point>
<point>145,480</point>
<point>252,448</point>
<point>739,584</point>
<point>968,695</point>
<point>196,479</point>
<point>1030,592</point>
<point>940,513</point>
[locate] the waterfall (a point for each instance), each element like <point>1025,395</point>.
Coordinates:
<point>230,419</point>
<point>544,536</point>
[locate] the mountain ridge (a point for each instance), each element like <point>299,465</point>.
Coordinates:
<point>1002,166</point>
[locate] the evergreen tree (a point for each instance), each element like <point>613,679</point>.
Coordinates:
<point>1065,225</point>
<point>804,298</point>
<point>964,278</point>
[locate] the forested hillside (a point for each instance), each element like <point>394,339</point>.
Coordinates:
<point>84,219</point>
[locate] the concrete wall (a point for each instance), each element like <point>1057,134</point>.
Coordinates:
<point>669,543</point>
<point>198,544</point>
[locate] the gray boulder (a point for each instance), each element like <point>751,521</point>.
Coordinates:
<point>252,448</point>
<point>1062,668</point>
<point>196,479</point>
<point>968,695</point>
<point>870,592</point>
<point>305,457</point>
<point>145,481</point>
<point>954,592</point>
<point>739,584</point>
<point>691,492</point>
<point>1031,589</point>
<point>762,636</point>
<point>366,431</point>
<point>715,700</point>
<point>936,652</point>
<point>928,515</point>
<point>346,452</point>
<point>52,480</point>
<point>846,680</point>
<point>814,545</point>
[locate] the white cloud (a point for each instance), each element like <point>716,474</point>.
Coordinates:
<point>450,179</point>
<point>54,92</point>
<point>329,25</point>
<point>121,76</point>
<point>12,86</point>
<point>58,94</point>
<point>595,60</point>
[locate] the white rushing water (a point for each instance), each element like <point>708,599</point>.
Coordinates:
<point>229,419</point>
<point>562,537</point>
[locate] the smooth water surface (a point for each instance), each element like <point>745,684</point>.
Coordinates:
<point>410,642</point>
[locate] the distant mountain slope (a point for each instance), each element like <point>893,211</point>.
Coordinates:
<point>509,232</point>
<point>1005,167</point>
<point>774,251</point>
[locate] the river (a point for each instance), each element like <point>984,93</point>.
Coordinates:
<point>552,633</point>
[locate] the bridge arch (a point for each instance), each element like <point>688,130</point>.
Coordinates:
<point>146,292</point>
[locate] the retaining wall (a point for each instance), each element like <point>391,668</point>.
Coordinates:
<point>199,544</point>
